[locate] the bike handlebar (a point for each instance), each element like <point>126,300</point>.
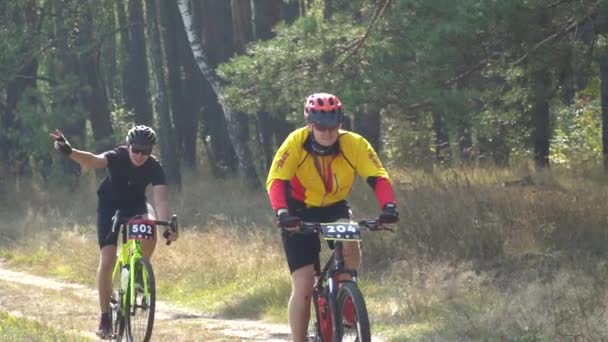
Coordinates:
<point>172,224</point>
<point>368,224</point>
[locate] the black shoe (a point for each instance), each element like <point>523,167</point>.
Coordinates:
<point>105,327</point>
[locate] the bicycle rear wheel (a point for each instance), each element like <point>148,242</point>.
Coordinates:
<point>141,312</point>
<point>354,320</point>
<point>116,307</point>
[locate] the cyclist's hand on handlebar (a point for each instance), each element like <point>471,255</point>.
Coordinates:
<point>389,214</point>
<point>287,221</point>
<point>61,144</point>
<point>170,235</point>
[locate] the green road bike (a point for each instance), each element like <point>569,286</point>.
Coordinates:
<point>133,299</point>
<point>339,308</point>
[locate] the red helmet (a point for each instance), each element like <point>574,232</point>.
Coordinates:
<point>323,109</point>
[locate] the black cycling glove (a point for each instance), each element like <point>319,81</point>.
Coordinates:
<point>286,220</point>
<point>63,145</point>
<point>389,213</point>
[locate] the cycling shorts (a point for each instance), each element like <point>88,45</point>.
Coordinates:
<point>105,212</point>
<point>303,249</point>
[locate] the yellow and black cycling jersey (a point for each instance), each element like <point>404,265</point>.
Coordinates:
<point>320,181</point>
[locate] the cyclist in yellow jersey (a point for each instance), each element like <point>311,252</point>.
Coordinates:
<point>311,175</point>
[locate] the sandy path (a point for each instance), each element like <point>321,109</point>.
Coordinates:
<point>44,300</point>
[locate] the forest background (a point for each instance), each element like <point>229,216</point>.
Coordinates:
<point>491,116</point>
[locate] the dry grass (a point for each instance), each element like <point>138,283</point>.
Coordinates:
<point>479,254</point>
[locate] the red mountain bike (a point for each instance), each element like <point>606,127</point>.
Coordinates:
<point>340,311</point>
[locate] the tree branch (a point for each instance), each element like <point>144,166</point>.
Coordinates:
<point>377,13</point>
<point>50,81</point>
<point>570,25</point>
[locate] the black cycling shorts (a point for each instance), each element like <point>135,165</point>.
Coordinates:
<point>303,249</point>
<point>105,212</point>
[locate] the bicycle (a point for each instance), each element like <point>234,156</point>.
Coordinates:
<point>133,299</point>
<point>339,306</point>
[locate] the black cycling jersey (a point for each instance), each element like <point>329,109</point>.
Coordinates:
<point>126,183</point>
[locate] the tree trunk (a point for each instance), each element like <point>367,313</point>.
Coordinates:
<point>167,137</point>
<point>241,24</point>
<point>185,119</point>
<point>109,56</point>
<point>95,98</point>
<point>367,123</point>
<point>465,144</point>
<point>242,28</point>
<point>328,9</point>
<point>443,151</point>
<point>541,128</point>
<point>214,21</point>
<point>10,153</point>
<point>265,138</point>
<point>290,11</point>
<point>247,170</point>
<point>266,15</point>
<point>125,43</point>
<point>604,103</point>
<point>137,67</point>
<point>281,129</point>
<point>193,103</point>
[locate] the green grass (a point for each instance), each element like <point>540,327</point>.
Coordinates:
<point>13,328</point>
<point>471,260</point>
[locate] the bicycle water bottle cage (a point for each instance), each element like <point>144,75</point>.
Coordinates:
<point>343,231</point>
<point>141,229</point>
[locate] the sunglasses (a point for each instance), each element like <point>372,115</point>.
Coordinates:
<point>146,151</point>
<point>322,128</point>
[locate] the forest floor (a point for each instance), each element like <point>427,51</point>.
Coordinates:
<point>73,308</point>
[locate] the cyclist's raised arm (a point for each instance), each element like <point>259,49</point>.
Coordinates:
<point>84,158</point>
<point>89,160</point>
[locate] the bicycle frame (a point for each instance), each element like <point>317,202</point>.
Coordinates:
<point>333,266</point>
<point>130,251</point>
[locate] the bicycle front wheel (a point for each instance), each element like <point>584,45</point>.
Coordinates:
<point>141,310</point>
<point>354,320</point>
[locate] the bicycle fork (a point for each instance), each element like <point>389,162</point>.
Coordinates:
<point>132,288</point>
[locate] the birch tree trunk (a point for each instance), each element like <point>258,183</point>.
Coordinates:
<point>246,167</point>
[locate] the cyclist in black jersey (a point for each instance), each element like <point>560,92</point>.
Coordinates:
<point>130,169</point>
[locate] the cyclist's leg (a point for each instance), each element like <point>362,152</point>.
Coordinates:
<point>302,281</point>
<point>107,258</point>
<point>351,252</point>
<point>148,246</point>
<point>302,252</point>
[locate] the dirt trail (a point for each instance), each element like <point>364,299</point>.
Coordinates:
<point>72,308</point>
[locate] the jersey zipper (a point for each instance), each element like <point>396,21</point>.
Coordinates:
<point>322,172</point>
